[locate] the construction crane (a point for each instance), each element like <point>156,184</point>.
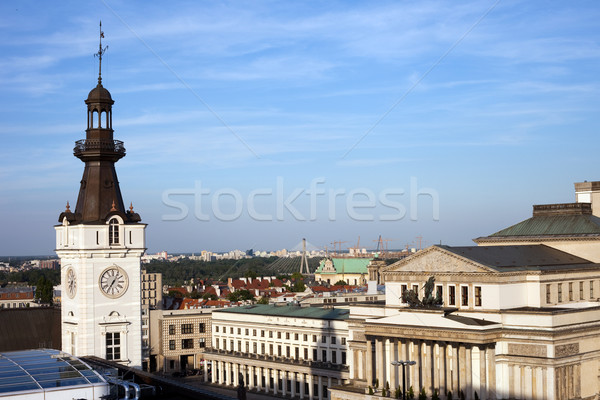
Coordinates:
<point>338,242</point>
<point>355,249</point>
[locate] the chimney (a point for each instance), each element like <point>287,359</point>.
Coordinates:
<point>589,192</point>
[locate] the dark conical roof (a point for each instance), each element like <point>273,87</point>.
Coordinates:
<point>99,95</point>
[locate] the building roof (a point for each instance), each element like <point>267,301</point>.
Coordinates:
<point>292,311</point>
<point>554,220</point>
<point>345,266</point>
<point>38,370</point>
<point>503,258</point>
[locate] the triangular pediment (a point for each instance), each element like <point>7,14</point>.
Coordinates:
<point>437,259</point>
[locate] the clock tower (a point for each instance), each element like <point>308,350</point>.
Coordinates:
<point>100,245</point>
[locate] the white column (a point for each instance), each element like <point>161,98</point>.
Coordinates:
<point>302,383</point>
<point>379,356</point>
<point>469,368</point>
<point>482,373</point>
<point>227,370</point>
<point>310,387</point>
<point>320,388</point>
<point>394,370</point>
<point>369,359</point>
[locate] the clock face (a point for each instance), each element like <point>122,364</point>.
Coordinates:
<point>71,283</point>
<point>113,282</point>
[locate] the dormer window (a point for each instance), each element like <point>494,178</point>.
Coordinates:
<point>113,231</point>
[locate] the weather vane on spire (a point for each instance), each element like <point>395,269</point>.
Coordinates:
<point>99,54</point>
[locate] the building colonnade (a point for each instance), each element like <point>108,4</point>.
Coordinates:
<point>442,365</point>
<point>303,383</point>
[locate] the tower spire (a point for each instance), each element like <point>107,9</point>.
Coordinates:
<point>99,54</point>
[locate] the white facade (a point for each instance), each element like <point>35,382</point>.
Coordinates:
<point>101,301</point>
<point>289,351</point>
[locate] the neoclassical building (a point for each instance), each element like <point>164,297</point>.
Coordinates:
<point>351,270</point>
<point>286,350</point>
<point>520,317</point>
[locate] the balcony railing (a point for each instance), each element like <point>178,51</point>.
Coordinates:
<point>115,146</point>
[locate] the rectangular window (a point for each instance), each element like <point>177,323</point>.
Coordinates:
<point>464,296</point>
<point>306,354</point>
<point>187,343</point>
<point>343,341</point>
<point>231,330</point>
<point>262,333</point>
<point>271,349</point>
<point>279,350</point>
<point>287,335</point>
<point>295,336</point>
<point>314,338</point>
<point>343,357</point>
<point>253,332</point>
<point>451,295</point>
<point>334,357</point>
<point>247,332</point>
<point>333,339</point>
<point>559,292</point>
<point>113,346</point>
<point>202,343</point>
<point>570,291</point>
<point>171,329</point>
<point>271,334</point>
<point>239,331</point>
<point>548,293</point>
<point>314,355</point>
<point>439,292</point>
<point>324,339</point>
<point>262,348</point>
<point>248,347</point>
<point>297,352</point>
<point>403,288</point>
<point>580,290</point>
<point>591,290</point>
<point>287,351</point>
<point>202,327</point>
<point>305,338</point>
<point>254,347</point>
<point>278,335</point>
<point>415,289</point>
<point>187,328</point>
<point>478,296</point>
<point>171,344</point>
<point>324,355</point>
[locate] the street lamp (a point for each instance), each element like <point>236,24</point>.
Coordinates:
<point>404,364</point>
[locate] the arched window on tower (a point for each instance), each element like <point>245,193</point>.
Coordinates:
<point>113,231</point>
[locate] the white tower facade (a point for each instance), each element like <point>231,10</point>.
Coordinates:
<point>100,246</point>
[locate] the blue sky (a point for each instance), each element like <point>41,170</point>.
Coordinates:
<point>387,108</point>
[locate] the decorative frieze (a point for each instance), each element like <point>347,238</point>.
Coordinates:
<point>530,350</point>
<point>564,350</point>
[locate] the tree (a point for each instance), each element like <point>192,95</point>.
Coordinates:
<point>175,293</point>
<point>297,276</point>
<point>299,286</point>
<point>341,282</point>
<point>263,300</point>
<point>209,296</point>
<point>422,394</point>
<point>435,395</point>
<point>411,393</point>
<point>44,291</point>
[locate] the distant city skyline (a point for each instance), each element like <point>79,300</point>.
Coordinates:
<point>327,121</point>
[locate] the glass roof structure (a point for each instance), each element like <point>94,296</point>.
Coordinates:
<point>43,369</point>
